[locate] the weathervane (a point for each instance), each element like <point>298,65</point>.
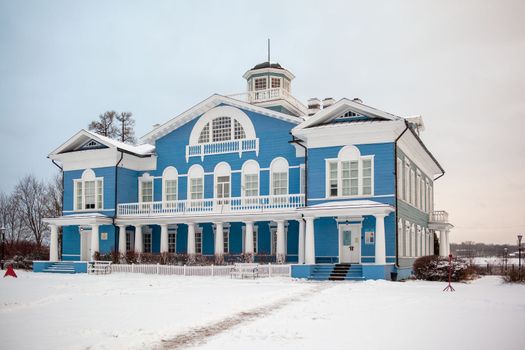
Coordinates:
<point>268,50</point>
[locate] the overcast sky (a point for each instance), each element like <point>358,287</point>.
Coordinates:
<point>459,64</point>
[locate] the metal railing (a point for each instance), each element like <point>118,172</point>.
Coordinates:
<point>213,205</point>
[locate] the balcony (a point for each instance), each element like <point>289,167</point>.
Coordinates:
<point>266,95</point>
<point>232,146</point>
<point>439,216</point>
<point>213,206</point>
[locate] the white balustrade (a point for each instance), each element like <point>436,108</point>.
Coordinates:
<point>268,95</point>
<point>439,216</point>
<point>213,205</point>
<point>223,147</point>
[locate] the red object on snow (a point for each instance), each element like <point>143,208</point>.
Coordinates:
<point>10,272</point>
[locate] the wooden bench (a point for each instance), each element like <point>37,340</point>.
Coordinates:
<point>99,267</point>
<point>244,270</point>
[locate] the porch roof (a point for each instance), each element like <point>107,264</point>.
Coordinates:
<point>347,208</point>
<point>80,219</point>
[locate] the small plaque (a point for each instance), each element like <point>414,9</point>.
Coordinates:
<point>104,236</point>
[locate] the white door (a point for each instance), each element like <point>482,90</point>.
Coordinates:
<point>350,244</point>
<point>85,245</point>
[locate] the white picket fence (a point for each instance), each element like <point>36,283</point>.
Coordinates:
<point>268,270</point>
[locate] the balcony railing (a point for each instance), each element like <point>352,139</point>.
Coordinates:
<point>213,206</point>
<point>269,95</point>
<point>223,147</point>
<point>439,216</point>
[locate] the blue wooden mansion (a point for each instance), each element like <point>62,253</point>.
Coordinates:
<point>329,186</point>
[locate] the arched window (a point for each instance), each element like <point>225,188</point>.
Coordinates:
<point>196,182</point>
<point>250,178</point>
<point>350,175</point>
<point>222,129</point>
<point>89,191</point>
<point>279,177</point>
<point>222,175</point>
<point>146,188</point>
<point>170,184</point>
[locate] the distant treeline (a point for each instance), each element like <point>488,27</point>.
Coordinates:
<point>472,249</point>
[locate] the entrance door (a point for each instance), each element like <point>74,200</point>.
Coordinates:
<point>350,244</point>
<point>85,245</point>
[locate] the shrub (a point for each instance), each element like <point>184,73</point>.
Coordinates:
<point>131,257</point>
<point>435,268</point>
<point>513,276</point>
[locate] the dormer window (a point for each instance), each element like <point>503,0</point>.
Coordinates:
<point>222,130</point>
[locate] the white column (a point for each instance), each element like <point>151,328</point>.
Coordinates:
<point>300,252</point>
<point>219,239</point>
<point>248,238</point>
<point>380,247</point>
<point>138,239</point>
<point>164,238</point>
<point>281,249</point>
<point>94,241</point>
<point>442,243</point>
<point>191,238</point>
<point>53,244</point>
<point>122,239</point>
<point>309,242</point>
<point>447,245</point>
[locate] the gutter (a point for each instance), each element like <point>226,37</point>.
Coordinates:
<point>396,190</point>
<point>298,141</point>
<point>116,195</point>
<point>62,213</point>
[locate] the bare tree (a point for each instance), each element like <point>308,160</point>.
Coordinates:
<point>55,196</point>
<point>105,125</point>
<point>32,196</point>
<point>15,230</point>
<point>125,132</point>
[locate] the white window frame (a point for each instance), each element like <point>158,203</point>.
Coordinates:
<point>250,167</point>
<point>130,240</point>
<point>145,235</point>
<point>407,233</point>
<point>265,78</point>
<point>279,166</point>
<point>406,176</point>
<point>400,238</point>
<point>170,174</point>
<point>349,154</point>
<point>369,237</point>
<point>172,239</point>
<point>226,240</point>
<point>196,171</point>
<point>199,239</point>
<point>222,169</point>
<point>400,179</point>
<point>88,175</point>
<point>146,178</point>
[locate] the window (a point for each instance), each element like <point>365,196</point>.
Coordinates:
<point>147,242</point>
<point>260,83</point>
<point>255,235</point>
<point>222,128</point>
<point>400,239</point>
<point>412,187</point>
<point>238,131</point>
<point>169,187</point>
<point>146,189</point>
<point>350,174</point>
<point>198,241</point>
<point>276,83</point>
<point>407,239</point>
<point>172,240</point>
<point>222,173</point>
<point>196,182</point>
<point>130,246</point>
<point>250,178</point>
<point>418,193</point>
<point>333,179</point>
<point>413,240</point>
<point>400,190</point>
<point>89,191</point>
<point>431,195</point>
<point>226,240</point>
<point>406,175</point>
<point>279,177</point>
<point>204,137</point>
<point>369,237</point>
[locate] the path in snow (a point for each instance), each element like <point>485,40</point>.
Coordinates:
<point>200,335</point>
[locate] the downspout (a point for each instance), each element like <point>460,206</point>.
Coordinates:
<point>62,213</point>
<point>116,197</point>
<point>298,142</point>
<point>396,190</point>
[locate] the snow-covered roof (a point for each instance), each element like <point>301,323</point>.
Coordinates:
<point>339,108</point>
<point>83,136</point>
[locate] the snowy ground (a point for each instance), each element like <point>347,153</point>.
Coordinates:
<point>124,311</point>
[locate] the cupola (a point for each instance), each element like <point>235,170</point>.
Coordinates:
<point>269,85</point>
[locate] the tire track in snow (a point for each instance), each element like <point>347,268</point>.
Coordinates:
<point>200,335</point>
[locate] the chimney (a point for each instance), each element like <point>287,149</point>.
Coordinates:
<point>357,99</point>
<point>327,102</point>
<point>314,105</point>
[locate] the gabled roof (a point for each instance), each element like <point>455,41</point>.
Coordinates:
<point>204,106</point>
<point>80,138</point>
<point>342,106</point>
